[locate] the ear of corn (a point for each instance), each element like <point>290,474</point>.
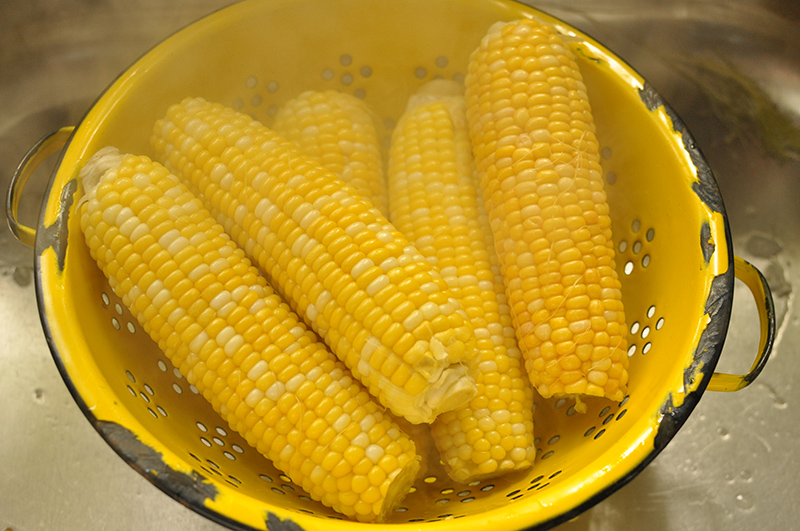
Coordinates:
<point>380,306</point>
<point>537,156</point>
<point>212,313</point>
<point>436,202</point>
<point>339,131</point>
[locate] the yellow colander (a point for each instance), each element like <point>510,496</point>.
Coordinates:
<point>674,253</point>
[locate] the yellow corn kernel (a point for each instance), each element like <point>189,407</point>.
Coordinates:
<point>533,137</point>
<point>287,206</point>
<point>341,132</point>
<point>216,358</point>
<point>436,202</point>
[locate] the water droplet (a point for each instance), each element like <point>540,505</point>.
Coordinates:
<point>746,475</point>
<point>724,433</point>
<point>763,246</point>
<point>729,477</point>
<point>23,275</point>
<point>743,502</point>
<point>778,402</point>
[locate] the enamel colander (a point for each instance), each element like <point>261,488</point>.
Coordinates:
<point>675,261</point>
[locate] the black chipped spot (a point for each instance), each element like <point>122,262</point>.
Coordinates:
<point>274,523</point>
<point>763,246</point>
<point>706,186</point>
<point>718,308</point>
<point>706,189</point>
<point>651,99</point>
<point>707,244</point>
<point>190,488</point>
<point>56,235</point>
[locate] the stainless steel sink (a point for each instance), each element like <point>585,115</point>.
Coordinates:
<point>731,71</point>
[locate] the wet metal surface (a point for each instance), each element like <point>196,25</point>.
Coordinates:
<point>730,71</point>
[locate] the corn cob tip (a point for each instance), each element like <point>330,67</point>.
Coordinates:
<point>401,482</point>
<point>103,160</point>
<point>453,387</point>
<point>423,444</point>
<point>442,87</point>
<point>342,133</point>
<point>435,90</point>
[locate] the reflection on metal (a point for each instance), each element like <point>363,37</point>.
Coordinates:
<point>743,105</point>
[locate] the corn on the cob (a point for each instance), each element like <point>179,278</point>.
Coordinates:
<point>341,132</point>
<point>537,156</point>
<point>435,201</point>
<point>197,295</point>
<point>380,306</point>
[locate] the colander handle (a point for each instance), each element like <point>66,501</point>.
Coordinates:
<point>754,280</point>
<point>41,150</point>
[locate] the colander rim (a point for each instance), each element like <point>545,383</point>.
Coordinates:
<point>718,304</point>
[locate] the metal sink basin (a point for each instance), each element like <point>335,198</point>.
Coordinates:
<point>730,70</point>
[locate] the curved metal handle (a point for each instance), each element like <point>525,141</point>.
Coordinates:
<point>46,146</point>
<point>754,280</point>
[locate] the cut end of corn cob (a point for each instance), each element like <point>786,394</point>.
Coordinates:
<point>452,388</point>
<point>217,320</point>
<point>423,444</point>
<point>537,156</point>
<point>437,203</point>
<point>382,308</point>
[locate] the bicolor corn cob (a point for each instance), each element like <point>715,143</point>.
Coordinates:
<point>436,201</point>
<point>537,156</point>
<point>196,294</point>
<point>380,306</point>
<point>341,132</point>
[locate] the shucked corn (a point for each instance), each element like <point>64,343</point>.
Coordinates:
<point>194,292</point>
<point>380,305</point>
<point>339,131</point>
<point>436,202</point>
<point>537,156</point>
